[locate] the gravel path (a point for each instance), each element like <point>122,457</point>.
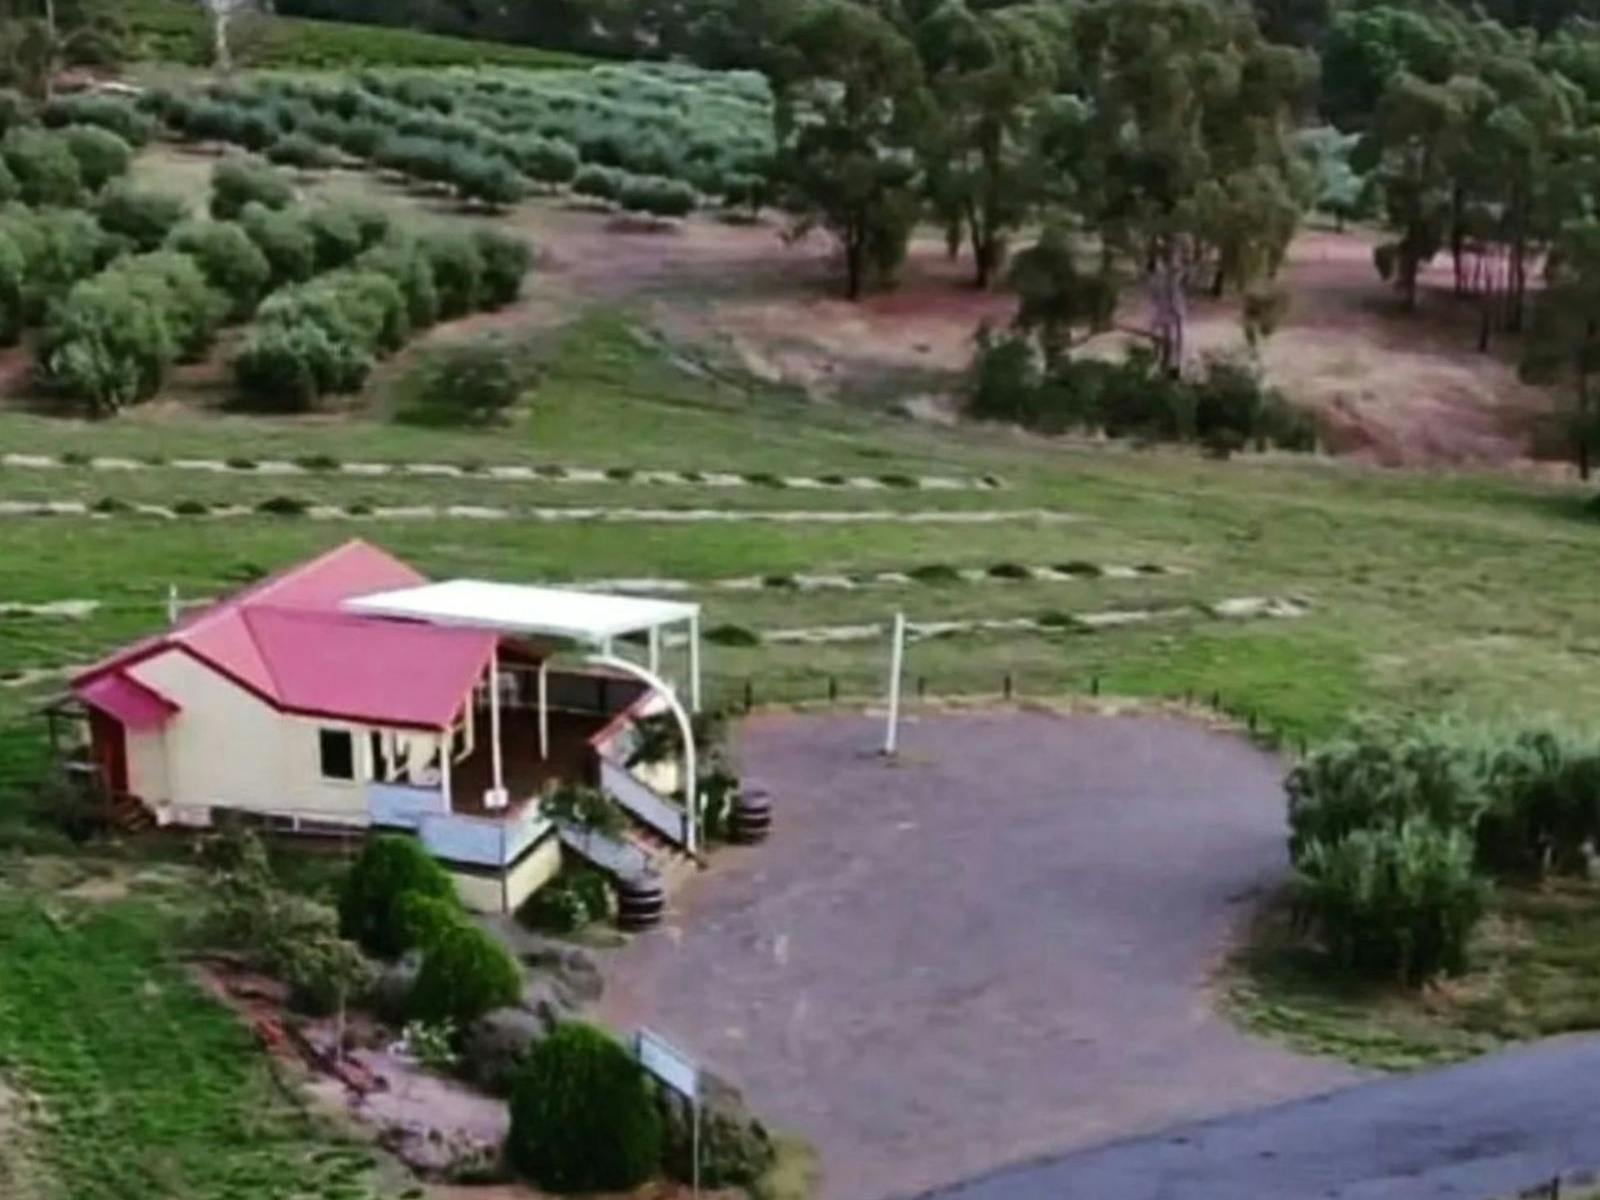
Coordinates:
<point>997,949</point>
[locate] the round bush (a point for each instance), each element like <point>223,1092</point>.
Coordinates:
<point>284,239</point>
<point>14,109</point>
<point>402,260</point>
<point>473,383</point>
<point>45,171</point>
<point>9,190</point>
<point>465,974</point>
<point>107,112</point>
<point>230,261</point>
<point>60,245</point>
<point>546,160</point>
<point>457,272</point>
<point>173,285</point>
<point>582,1117</point>
<point>657,196</point>
<point>489,181</point>
<point>301,150</point>
<point>369,900</point>
<point>101,155</point>
<point>603,183</point>
<point>424,919</point>
<point>278,368</point>
<point>336,234</point>
<point>506,260</point>
<point>143,218</point>
<point>1400,901</point>
<point>106,346</point>
<point>240,182</point>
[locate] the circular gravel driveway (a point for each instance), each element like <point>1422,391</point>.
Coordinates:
<point>996,948</point>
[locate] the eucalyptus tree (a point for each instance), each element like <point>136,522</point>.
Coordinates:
<point>40,37</point>
<point>852,111</point>
<point>1565,338</point>
<point>1181,157</point>
<point>988,70</point>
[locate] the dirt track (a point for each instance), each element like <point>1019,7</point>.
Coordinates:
<point>997,949</point>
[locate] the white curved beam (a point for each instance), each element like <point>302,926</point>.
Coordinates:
<point>685,727</point>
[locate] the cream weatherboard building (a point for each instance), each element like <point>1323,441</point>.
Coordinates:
<point>349,693</point>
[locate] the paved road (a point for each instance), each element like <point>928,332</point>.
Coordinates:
<point>995,949</point>
<point>1486,1129</point>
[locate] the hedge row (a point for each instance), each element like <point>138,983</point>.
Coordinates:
<point>323,337</point>
<point>490,137</point>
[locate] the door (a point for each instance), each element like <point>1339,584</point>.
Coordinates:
<point>109,743</point>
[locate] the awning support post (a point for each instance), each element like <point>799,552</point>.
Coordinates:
<point>694,662</point>
<point>544,708</point>
<point>655,649</point>
<point>494,725</point>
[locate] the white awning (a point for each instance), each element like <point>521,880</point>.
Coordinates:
<point>514,608</point>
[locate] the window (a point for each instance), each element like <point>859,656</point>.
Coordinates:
<point>338,750</point>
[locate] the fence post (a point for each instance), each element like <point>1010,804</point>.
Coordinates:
<point>1094,685</point>
<point>1216,701</point>
<point>922,686</point>
<point>1006,686</point>
<point>833,690</point>
<point>749,695</point>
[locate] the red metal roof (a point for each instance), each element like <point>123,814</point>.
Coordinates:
<point>286,640</point>
<point>128,700</point>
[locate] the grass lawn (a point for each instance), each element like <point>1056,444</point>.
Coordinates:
<point>125,1081</point>
<point>1534,965</point>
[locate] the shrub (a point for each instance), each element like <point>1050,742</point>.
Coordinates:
<point>144,218</point>
<point>13,272</point>
<point>575,898</point>
<point>423,920</point>
<point>61,246</point>
<point>111,342</point>
<point>471,383</point>
<point>230,261</point>
<point>465,974</point>
<point>488,180</point>
<point>283,506</point>
<point>14,109</point>
<point>106,112</point>
<point>1379,778</point>
<point>43,166</point>
<point>302,151</point>
<point>657,196</point>
<point>336,234</point>
<point>582,1118</point>
<point>603,183</point>
<point>278,369</point>
<point>284,240</point>
<point>8,184</point>
<point>241,182</point>
<point>370,898</point>
<point>457,271</point>
<point>1544,804</point>
<point>506,260</point>
<point>174,285</point>
<point>546,160</point>
<point>1400,901</point>
<point>101,155</point>
<point>402,259</point>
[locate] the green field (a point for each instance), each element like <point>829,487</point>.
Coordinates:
<point>1426,592</point>
<point>140,1085</point>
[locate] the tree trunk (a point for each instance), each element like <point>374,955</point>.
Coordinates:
<point>1167,299</point>
<point>1458,239</point>
<point>51,48</point>
<point>855,254</point>
<point>221,53</point>
<point>1583,404</point>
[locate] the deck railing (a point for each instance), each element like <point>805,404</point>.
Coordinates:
<point>644,802</point>
<point>403,806</point>
<point>483,841</point>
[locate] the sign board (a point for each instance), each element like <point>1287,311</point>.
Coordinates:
<point>667,1063</point>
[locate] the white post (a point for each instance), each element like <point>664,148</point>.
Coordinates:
<point>173,607</point>
<point>896,660</point>
<point>494,725</point>
<point>655,649</point>
<point>447,749</point>
<point>694,662</point>
<point>544,708</point>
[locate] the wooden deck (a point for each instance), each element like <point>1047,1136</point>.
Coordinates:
<point>526,775</point>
